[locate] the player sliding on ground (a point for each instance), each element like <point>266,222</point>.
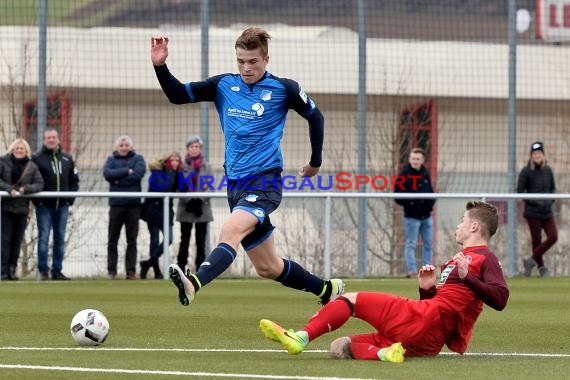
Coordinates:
<point>252,106</point>
<point>445,314</point>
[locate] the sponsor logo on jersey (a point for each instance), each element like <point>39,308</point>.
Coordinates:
<point>235,88</point>
<point>265,95</point>
<point>445,273</point>
<point>258,108</point>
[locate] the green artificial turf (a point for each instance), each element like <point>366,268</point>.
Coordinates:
<point>153,337</point>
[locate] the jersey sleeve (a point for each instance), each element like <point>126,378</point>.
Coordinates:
<point>301,103</point>
<point>491,287</point>
<point>204,91</point>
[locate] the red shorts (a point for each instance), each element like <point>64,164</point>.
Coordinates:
<point>416,324</point>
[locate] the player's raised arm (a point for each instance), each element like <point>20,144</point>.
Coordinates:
<point>158,50</point>
<point>172,87</point>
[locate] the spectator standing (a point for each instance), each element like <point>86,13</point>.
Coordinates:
<point>537,177</point>
<point>124,170</point>
<point>164,177</point>
<point>59,174</point>
<point>18,176</point>
<point>417,212</point>
<point>194,211</point>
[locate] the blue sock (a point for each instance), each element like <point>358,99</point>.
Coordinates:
<point>296,277</point>
<point>215,264</point>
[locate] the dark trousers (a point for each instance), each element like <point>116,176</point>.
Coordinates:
<point>156,245</point>
<point>185,232</point>
<point>540,247</point>
<point>13,229</point>
<point>120,216</point>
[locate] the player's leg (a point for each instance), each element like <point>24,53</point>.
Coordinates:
<point>239,224</point>
<point>367,347</point>
<point>289,273</point>
<point>332,316</point>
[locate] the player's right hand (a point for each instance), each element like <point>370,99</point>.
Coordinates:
<point>158,50</point>
<point>426,277</point>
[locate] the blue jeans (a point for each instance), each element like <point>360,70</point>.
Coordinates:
<point>156,248</point>
<point>48,218</point>
<point>415,227</point>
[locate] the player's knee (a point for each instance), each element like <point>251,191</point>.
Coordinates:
<point>265,270</point>
<point>340,348</point>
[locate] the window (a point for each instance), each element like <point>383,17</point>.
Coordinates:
<point>418,128</point>
<point>58,117</point>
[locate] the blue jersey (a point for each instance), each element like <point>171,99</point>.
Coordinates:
<point>252,118</point>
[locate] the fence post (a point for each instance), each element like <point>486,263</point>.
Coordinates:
<point>166,234</point>
<point>327,227</point>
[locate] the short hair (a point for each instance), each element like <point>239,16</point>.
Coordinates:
<point>193,140</point>
<point>123,138</point>
<point>418,150</point>
<point>51,129</point>
<point>487,216</point>
<point>254,38</point>
<point>24,143</point>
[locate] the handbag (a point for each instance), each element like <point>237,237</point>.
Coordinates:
<point>194,206</point>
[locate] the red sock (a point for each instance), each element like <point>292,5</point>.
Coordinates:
<point>333,315</point>
<point>364,351</point>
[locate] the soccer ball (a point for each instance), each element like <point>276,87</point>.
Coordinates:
<point>89,327</point>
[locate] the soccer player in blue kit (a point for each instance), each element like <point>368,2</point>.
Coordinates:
<point>252,107</point>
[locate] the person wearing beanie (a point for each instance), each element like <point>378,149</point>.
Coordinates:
<point>537,177</point>
<point>194,212</point>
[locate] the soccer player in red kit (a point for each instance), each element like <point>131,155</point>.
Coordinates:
<point>445,313</point>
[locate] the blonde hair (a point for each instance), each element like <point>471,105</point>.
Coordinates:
<point>24,143</point>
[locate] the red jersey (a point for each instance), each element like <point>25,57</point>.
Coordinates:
<point>461,301</point>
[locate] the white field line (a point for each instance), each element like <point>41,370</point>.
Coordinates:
<point>172,373</point>
<point>9,348</point>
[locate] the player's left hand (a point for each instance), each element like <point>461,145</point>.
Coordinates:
<point>308,171</point>
<point>462,264</point>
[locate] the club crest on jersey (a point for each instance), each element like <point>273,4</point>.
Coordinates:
<point>302,94</point>
<point>235,88</point>
<point>265,95</point>
<point>251,198</point>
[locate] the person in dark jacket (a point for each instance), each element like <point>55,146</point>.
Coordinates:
<point>124,170</point>
<point>417,212</point>
<point>195,212</point>
<point>164,177</point>
<point>59,174</point>
<point>537,177</point>
<point>18,176</point>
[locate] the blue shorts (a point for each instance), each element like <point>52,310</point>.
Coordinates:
<point>259,195</point>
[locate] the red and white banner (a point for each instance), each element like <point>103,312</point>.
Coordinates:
<point>553,20</point>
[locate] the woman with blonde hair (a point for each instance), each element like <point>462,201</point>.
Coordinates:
<point>18,176</point>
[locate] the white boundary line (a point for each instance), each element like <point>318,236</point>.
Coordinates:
<point>173,373</point>
<point>12,348</point>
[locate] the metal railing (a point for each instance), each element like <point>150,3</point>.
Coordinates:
<point>328,196</point>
